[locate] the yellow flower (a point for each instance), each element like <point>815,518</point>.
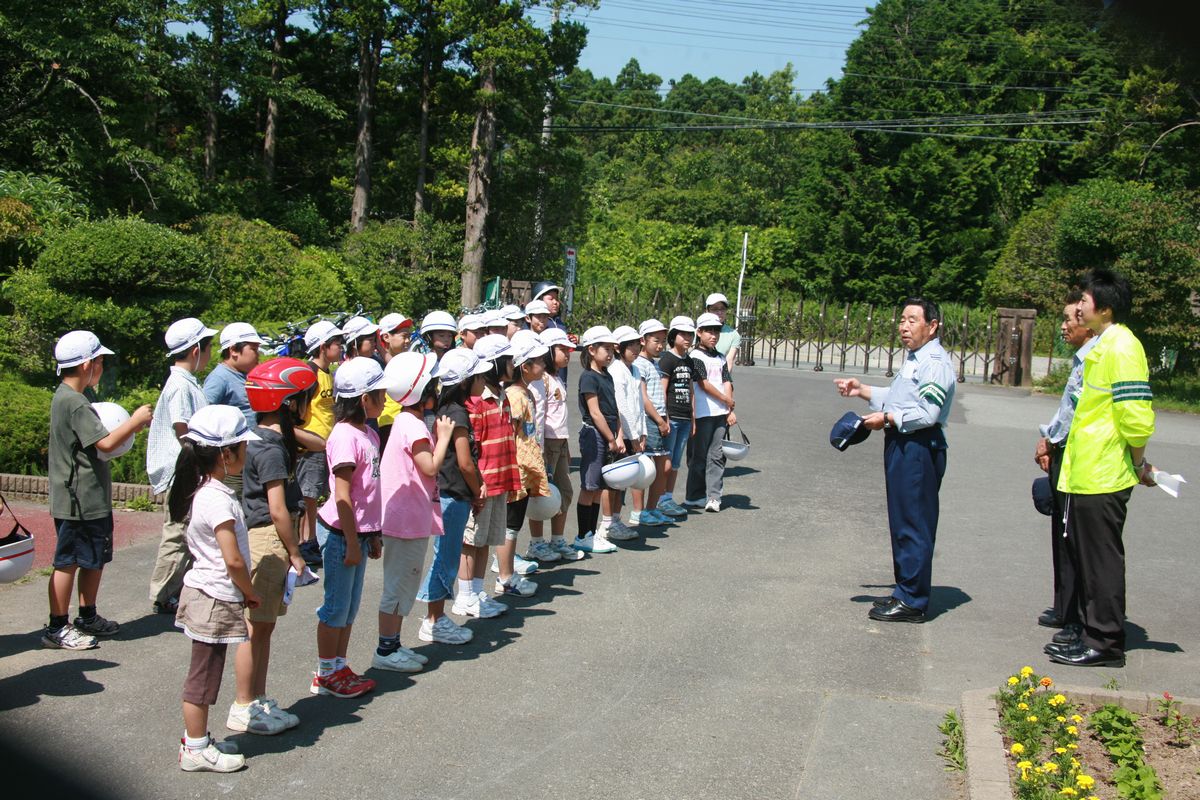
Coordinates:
<point>1017,748</point>
<point>1022,706</point>
<point>1085,781</point>
<point>1067,791</point>
<point>1072,746</point>
<point>1076,719</point>
<point>1024,764</point>
<point>1050,766</point>
<point>1059,699</point>
<point>1026,672</point>
<point>1062,751</point>
<point>1013,680</point>
<point>1031,718</point>
<point>1071,729</point>
<point>1026,693</point>
<point>1074,763</point>
<point>1060,720</point>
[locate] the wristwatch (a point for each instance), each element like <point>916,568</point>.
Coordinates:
<point>887,422</point>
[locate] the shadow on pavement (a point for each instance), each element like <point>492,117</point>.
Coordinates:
<point>66,678</point>
<point>739,501</point>
<point>25,768</point>
<point>737,472</point>
<point>941,600</point>
<point>1137,639</point>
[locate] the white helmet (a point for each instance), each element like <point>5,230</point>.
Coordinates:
<point>406,376</point>
<point>112,416</point>
<point>545,507</point>
<point>438,321</point>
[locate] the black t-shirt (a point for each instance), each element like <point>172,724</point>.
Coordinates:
<point>680,373</point>
<point>601,385</point>
<point>266,461</point>
<point>450,480</point>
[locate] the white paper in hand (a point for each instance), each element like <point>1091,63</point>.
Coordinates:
<point>294,579</point>
<point>1167,482</point>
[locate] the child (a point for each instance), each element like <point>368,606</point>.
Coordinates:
<point>632,417</point>
<point>599,435</point>
<point>676,368</point>
<point>491,423</point>
<point>280,392</point>
<point>497,324</point>
<point>217,588</point>
<point>551,396</point>
<point>349,521</point>
<point>438,330</point>
<point>514,318</point>
<point>713,393</point>
<point>658,427</point>
<point>189,344</point>
<point>394,330</point>
<point>324,342</point>
<point>81,492</point>
<point>360,335</point>
<point>538,315</point>
<point>529,365</point>
<point>459,487</point>
<point>412,511</point>
<point>470,328</point>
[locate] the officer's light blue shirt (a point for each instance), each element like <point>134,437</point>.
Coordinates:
<point>922,391</point>
<point>226,386</point>
<point>1058,428</point>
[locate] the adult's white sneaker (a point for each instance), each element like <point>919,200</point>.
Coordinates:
<point>713,505</point>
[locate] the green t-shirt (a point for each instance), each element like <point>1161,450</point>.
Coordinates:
<point>728,340</point>
<point>80,483</point>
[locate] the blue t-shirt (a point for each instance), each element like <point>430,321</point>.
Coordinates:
<point>226,386</point>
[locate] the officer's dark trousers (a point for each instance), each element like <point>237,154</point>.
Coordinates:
<point>913,468</point>
<point>1064,567</point>
<point>1095,523</point>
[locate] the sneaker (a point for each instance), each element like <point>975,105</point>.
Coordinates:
<point>517,585</point>
<point>652,519</point>
<point>694,503</point>
<point>273,708</point>
<point>97,626</point>
<point>471,605</point>
<point>494,607</point>
<point>210,759</point>
<point>669,507</point>
<point>310,551</point>
<point>541,552</point>
<point>635,518</point>
<point>564,549</point>
<point>395,661</point>
<point>168,606</point>
<point>342,683</point>
<point>368,684</point>
<point>594,543</point>
<point>254,718</point>
<point>444,631</point>
<point>414,655</point>
<point>521,566</point>
<point>713,505</point>
<point>618,531</point>
<point>68,637</point>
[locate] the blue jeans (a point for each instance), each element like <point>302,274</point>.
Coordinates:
<point>677,439</point>
<point>343,585</point>
<point>447,548</point>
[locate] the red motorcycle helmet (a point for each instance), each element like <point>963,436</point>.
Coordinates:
<point>271,383</point>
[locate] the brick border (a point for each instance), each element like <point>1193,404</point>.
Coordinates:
<point>987,768</point>
<point>37,488</point>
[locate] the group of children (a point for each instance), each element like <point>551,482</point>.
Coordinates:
<point>453,445</point>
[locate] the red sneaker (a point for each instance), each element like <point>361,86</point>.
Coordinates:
<point>367,683</point>
<point>342,683</point>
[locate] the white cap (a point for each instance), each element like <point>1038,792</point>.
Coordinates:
<point>319,333</point>
<point>492,346</point>
<point>626,334</point>
<point>524,338</point>
<point>682,323</point>
<point>470,322</point>
<point>358,327</point>
<point>708,320</point>
<point>184,334</point>
<point>528,350</point>
<point>536,307</point>
<point>550,287</point>
<point>597,334</point>
<point>219,426</point>
<point>406,376</point>
<point>650,326</point>
<point>356,377</point>
<point>76,347</point>
<point>552,337</point>
<point>714,298</point>
<point>459,365</point>
<point>495,319</point>
<point>512,313</point>
<point>394,321</point>
<point>438,321</point>
<point>239,332</point>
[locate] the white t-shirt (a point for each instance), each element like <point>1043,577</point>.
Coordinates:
<point>629,400</point>
<point>717,371</point>
<point>552,408</point>
<point>214,504</point>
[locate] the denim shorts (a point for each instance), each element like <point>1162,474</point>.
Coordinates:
<point>83,543</point>
<point>343,585</point>
<point>656,443</point>
<point>312,474</point>
<point>447,548</point>
<point>593,454</point>
<point>676,441</point>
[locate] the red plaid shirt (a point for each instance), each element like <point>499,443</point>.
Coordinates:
<point>491,422</point>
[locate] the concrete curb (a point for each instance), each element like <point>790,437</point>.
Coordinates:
<point>987,766</point>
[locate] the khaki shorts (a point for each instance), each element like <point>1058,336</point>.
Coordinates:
<point>558,462</point>
<point>486,529</point>
<point>269,566</point>
<point>206,619</point>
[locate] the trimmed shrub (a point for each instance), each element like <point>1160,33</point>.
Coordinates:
<point>24,427</point>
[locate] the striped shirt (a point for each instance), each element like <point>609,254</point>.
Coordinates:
<point>647,370</point>
<point>491,422</point>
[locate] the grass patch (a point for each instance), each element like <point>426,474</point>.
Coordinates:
<point>1171,392</point>
<point>953,750</point>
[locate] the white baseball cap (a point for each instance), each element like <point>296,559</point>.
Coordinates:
<point>708,320</point>
<point>597,334</point>
<point>459,365</point>
<point>512,313</point>
<point>650,326</point>
<point>357,376</point>
<point>319,333</point>
<point>358,327</point>
<point>536,307</point>
<point>552,337</point>
<point>238,332</point>
<point>393,322</point>
<point>471,322</point>
<point>438,321</point>
<point>714,298</point>
<point>626,334</point>
<point>682,323</point>
<point>219,426</point>
<point>492,346</point>
<point>184,334</point>
<point>76,347</point>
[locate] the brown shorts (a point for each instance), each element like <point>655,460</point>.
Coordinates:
<point>203,682</point>
<point>486,529</point>
<point>206,619</point>
<point>269,566</point>
<point>558,462</point>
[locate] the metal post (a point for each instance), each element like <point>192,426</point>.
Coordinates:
<point>820,338</point>
<point>891,372</point>
<point>845,337</point>
<point>962,353</point>
<point>867,347</point>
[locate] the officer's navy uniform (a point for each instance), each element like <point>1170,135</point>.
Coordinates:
<point>914,459</point>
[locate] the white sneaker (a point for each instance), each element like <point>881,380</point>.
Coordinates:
<point>68,637</point>
<point>495,607</point>
<point>471,605</point>
<point>414,655</point>
<point>713,505</point>
<point>444,631</point>
<point>564,549</point>
<point>396,661</point>
<point>618,531</point>
<point>541,552</point>
<point>523,587</point>
<point>210,759</point>
<point>594,543</point>
<point>521,566</point>
<point>273,708</point>
<point>254,718</point>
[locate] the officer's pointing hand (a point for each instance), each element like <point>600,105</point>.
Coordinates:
<point>848,387</point>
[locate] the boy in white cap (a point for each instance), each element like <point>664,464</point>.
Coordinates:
<point>395,337</point>
<point>81,492</point>
<point>360,335</point>
<point>538,314</point>
<point>324,343</point>
<point>677,373</point>
<point>713,401</point>
<point>514,319</point>
<point>730,340</point>
<point>438,329</point>
<point>189,345</point>
<point>226,384</point>
<point>658,425</point>
<point>471,328</point>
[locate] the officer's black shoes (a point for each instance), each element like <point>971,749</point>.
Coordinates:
<point>1068,635</point>
<point>884,602</point>
<point>1081,656</point>
<point>1049,619</point>
<point>897,612</point>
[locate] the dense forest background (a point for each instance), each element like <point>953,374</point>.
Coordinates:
<point>268,159</point>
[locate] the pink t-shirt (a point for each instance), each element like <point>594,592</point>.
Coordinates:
<point>350,446</point>
<point>411,506</point>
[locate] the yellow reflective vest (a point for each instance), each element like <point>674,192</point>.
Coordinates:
<point>1114,413</point>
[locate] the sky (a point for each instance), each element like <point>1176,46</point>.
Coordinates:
<point>727,39</point>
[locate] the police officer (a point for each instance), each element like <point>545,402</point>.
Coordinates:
<point>912,413</point>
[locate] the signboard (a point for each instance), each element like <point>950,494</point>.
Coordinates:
<point>569,298</point>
